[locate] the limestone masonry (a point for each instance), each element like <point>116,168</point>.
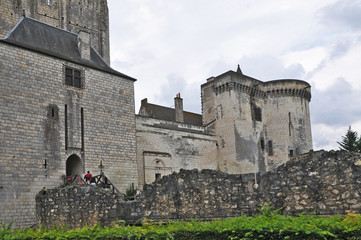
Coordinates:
<point>326,183</point>
<point>65,111</point>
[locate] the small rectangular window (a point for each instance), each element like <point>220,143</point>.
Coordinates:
<point>157,176</point>
<point>257,114</point>
<point>291,153</point>
<point>270,148</point>
<point>72,77</point>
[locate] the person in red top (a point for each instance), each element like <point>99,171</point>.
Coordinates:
<point>88,177</point>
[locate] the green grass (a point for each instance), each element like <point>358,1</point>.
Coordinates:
<point>268,225</point>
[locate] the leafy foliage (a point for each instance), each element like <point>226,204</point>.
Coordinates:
<point>351,142</point>
<point>267,225</point>
<point>130,191</point>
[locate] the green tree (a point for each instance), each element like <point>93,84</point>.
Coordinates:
<point>351,142</point>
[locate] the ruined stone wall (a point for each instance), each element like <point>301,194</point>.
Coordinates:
<point>76,206</point>
<point>83,15</point>
<point>326,183</point>
<point>33,104</point>
<point>164,147</point>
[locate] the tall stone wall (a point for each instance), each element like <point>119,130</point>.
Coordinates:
<point>83,15</point>
<point>327,183</point>
<point>35,106</point>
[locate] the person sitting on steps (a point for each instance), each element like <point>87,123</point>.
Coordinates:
<point>88,177</point>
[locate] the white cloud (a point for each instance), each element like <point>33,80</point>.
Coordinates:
<point>174,46</point>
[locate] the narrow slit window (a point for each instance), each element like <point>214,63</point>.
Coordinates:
<point>53,112</point>
<point>289,124</point>
<point>270,148</point>
<point>262,144</point>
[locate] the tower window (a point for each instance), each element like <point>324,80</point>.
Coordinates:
<point>73,77</point>
<point>270,148</point>
<point>262,144</point>
<point>157,176</point>
<point>291,153</point>
<point>258,114</point>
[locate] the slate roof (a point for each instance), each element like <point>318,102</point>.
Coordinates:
<point>168,114</point>
<point>41,37</point>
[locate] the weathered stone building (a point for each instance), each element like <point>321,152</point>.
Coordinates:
<point>63,111</point>
<point>246,126</point>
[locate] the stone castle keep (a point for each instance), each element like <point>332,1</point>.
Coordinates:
<point>64,111</point>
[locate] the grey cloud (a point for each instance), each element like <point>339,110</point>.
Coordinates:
<point>340,49</point>
<point>220,66</point>
<point>189,92</point>
<point>337,105</point>
<point>344,13</point>
<point>265,67</point>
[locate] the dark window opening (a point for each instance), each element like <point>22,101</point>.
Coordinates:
<point>157,176</point>
<point>262,144</point>
<point>258,114</point>
<point>291,153</point>
<point>82,128</point>
<point>66,126</point>
<point>289,124</point>
<point>72,77</point>
<point>270,148</point>
<point>53,112</point>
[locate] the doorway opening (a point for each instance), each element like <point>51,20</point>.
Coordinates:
<point>73,165</point>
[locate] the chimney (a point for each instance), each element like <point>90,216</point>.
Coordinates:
<point>178,107</point>
<point>143,107</point>
<point>84,45</point>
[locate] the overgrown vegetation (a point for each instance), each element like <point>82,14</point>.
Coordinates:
<point>267,225</point>
<point>130,191</point>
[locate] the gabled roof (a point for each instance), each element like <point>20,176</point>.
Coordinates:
<point>168,114</point>
<point>41,37</point>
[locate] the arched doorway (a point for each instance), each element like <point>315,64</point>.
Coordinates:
<point>73,165</point>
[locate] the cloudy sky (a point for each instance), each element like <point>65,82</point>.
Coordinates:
<point>174,46</point>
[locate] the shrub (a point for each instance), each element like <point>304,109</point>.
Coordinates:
<point>130,191</point>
